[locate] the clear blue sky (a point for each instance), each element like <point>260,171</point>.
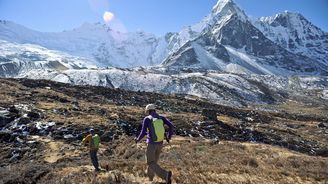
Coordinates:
<point>156,16</point>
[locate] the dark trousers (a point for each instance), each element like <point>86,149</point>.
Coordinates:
<point>94,159</point>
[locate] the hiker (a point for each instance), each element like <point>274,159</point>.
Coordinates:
<point>153,127</point>
<point>93,140</point>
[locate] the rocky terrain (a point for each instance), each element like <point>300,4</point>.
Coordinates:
<point>42,124</point>
<point>228,89</point>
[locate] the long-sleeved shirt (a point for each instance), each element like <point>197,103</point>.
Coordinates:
<point>93,145</point>
<point>146,128</point>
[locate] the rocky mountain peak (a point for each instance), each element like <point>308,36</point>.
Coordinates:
<point>292,20</point>
<point>230,40</point>
<point>225,8</point>
<point>295,33</point>
<point>281,17</point>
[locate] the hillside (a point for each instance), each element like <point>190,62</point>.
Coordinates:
<point>222,88</point>
<point>43,122</point>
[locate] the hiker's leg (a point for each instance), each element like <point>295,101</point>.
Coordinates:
<point>158,152</point>
<point>167,174</point>
<point>152,161</point>
<point>150,157</point>
<point>93,156</point>
<point>150,174</point>
<point>161,172</point>
<point>96,160</point>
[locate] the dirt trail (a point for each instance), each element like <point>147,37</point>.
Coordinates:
<point>56,150</point>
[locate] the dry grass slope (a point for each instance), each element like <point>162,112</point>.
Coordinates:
<point>280,153</point>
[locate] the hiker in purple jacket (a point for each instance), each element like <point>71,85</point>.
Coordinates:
<point>153,127</point>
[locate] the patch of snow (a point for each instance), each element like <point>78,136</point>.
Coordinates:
<point>248,62</point>
<point>324,94</point>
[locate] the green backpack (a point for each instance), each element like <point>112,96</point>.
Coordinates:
<point>96,141</point>
<point>158,130</point>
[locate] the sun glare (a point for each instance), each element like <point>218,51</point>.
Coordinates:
<point>108,16</point>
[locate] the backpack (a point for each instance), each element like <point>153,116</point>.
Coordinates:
<point>157,129</point>
<point>95,141</point>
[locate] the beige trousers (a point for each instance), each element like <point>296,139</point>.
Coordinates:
<point>152,156</point>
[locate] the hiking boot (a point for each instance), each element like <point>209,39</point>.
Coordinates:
<point>169,177</point>
<point>107,167</point>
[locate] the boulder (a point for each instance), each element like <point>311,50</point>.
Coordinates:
<point>107,136</point>
<point>33,115</point>
<point>209,114</point>
<point>321,125</point>
<point>4,120</point>
<point>13,110</point>
<point>24,121</point>
<point>5,136</point>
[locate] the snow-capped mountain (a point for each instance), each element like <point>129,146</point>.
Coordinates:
<point>18,59</point>
<point>225,40</point>
<point>295,33</point>
<point>229,42</point>
<point>220,12</point>
<point>97,42</point>
<point>225,58</point>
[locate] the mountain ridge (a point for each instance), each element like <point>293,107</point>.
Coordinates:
<point>235,29</point>
<point>295,33</point>
<point>107,47</point>
<point>97,42</point>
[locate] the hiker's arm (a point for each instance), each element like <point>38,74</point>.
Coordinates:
<point>171,127</point>
<point>143,132</point>
<point>86,139</point>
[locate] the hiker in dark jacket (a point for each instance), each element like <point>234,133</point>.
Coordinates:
<point>153,127</point>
